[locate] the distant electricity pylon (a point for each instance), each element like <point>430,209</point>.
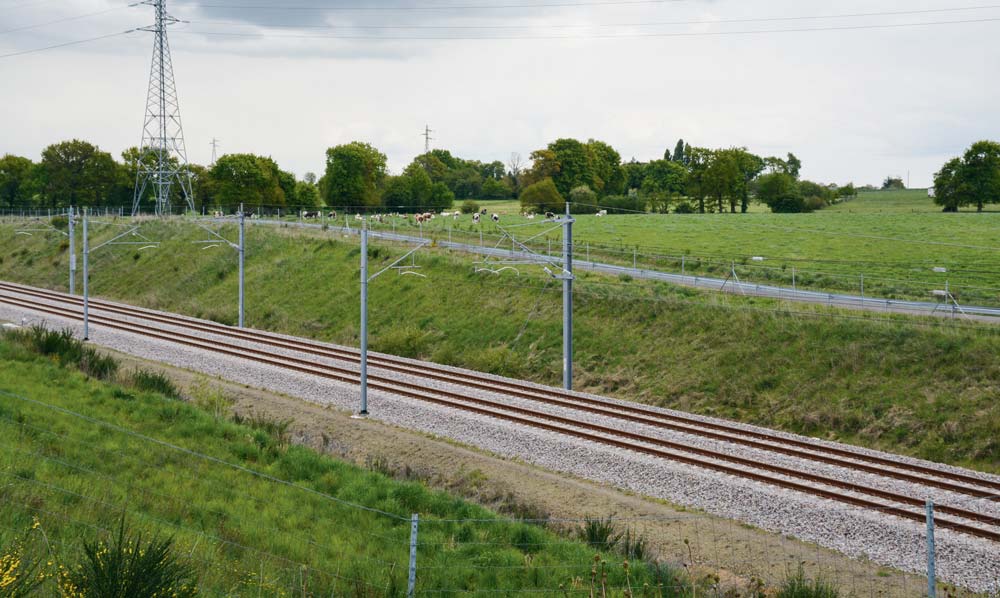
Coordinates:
<point>215,147</point>
<point>162,155</point>
<point>427,138</point>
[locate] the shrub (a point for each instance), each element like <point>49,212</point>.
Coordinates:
<point>583,200</point>
<point>684,207</point>
<point>600,534</point>
<point>814,203</point>
<point>153,382</point>
<point>469,207</point>
<point>542,197</point>
<point>788,205</point>
<point>60,222</point>
<point>128,566</point>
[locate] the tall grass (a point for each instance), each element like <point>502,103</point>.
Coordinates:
<point>797,585</point>
<point>241,534</point>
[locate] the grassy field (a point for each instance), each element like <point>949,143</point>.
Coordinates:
<point>921,387</point>
<point>891,240</point>
<point>79,454</point>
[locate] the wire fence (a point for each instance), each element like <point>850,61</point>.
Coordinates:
<point>283,527</point>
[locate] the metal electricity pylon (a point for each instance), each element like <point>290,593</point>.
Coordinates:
<point>162,155</point>
<point>427,138</point>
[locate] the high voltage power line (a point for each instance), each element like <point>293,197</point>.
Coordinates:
<point>679,34</point>
<point>625,35</point>
<point>613,25</point>
<point>441,7</point>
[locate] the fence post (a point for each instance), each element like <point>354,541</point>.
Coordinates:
<point>412,579</point>
<point>931,574</point>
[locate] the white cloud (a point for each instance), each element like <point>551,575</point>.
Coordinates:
<point>854,105</point>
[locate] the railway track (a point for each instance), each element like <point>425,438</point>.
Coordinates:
<point>970,522</point>
<point>832,455</point>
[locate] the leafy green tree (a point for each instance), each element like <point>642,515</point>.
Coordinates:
<point>76,173</point>
<point>794,165</point>
<point>496,189</point>
<point>847,191</point>
<point>465,181</point>
<point>544,165</point>
<point>576,165</point>
<point>666,155</point>
<point>749,166</point>
<point>202,186</point>
<point>441,197</point>
<point>774,165</point>
<point>698,161</point>
<point>680,154</point>
<point>950,189</point>
<point>663,180</point>
<point>16,180</point>
<point>780,192</point>
<point>397,193</point>
<point>635,174</point>
<point>609,177</point>
<point>494,170</point>
<point>286,181</point>
<point>981,172</point>
<point>248,179</point>
<point>354,173</point>
<point>434,166</point>
<point>722,178</point>
<point>972,180</point>
<point>542,196</point>
<point>307,195</point>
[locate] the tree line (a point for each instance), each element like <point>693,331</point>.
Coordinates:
<point>590,175</point>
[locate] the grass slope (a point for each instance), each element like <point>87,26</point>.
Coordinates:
<point>928,390</point>
<point>72,478</point>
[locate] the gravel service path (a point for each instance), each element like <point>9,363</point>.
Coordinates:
<point>699,462</point>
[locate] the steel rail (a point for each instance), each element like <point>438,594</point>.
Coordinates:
<point>561,398</point>
<point>570,427</point>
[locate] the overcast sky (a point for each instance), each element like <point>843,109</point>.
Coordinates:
<point>299,76</point>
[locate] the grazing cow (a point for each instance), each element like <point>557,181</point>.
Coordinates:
<point>602,213</point>
<point>483,212</point>
<point>310,214</point>
<point>530,216</point>
<point>549,216</point>
<point>359,217</point>
<point>495,217</point>
<point>475,218</point>
<point>217,214</point>
<point>332,215</point>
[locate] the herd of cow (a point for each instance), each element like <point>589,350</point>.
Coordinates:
<point>418,218</point>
